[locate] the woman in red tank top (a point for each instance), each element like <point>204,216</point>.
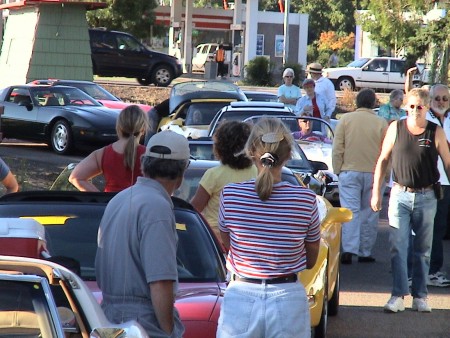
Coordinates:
<point>119,162</point>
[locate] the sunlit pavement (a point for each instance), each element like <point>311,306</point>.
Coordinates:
<point>366,287</point>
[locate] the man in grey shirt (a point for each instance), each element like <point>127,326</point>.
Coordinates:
<point>136,265</point>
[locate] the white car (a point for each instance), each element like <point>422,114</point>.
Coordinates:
<point>373,72</point>
<point>205,53</point>
<point>40,298</point>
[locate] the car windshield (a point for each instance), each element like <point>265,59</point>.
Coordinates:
<point>74,234</point>
<point>358,63</point>
<point>202,113</point>
<point>61,96</point>
<point>95,91</point>
<point>24,308</point>
<point>199,86</point>
<point>193,175</point>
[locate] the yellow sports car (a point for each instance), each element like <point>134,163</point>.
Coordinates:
<point>192,105</point>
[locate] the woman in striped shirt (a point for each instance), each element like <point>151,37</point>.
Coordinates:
<point>271,229</point>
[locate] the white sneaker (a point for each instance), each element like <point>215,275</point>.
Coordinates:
<point>438,279</point>
<point>395,304</point>
<point>421,305</point>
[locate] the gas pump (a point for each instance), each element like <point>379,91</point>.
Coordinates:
<point>236,68</point>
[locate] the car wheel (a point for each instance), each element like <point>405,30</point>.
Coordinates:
<point>61,138</point>
<point>143,81</point>
<point>333,303</point>
<point>320,331</point>
<point>345,83</point>
<point>162,76</point>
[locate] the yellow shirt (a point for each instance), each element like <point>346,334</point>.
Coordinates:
<point>214,180</point>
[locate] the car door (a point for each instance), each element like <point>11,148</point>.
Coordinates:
<point>375,74</point>
<point>20,115</point>
<point>132,57</point>
<point>104,52</point>
<point>396,74</point>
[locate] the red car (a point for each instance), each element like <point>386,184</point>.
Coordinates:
<point>71,220</point>
<point>94,90</point>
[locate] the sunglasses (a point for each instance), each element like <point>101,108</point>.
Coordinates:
<point>305,121</point>
<point>438,99</point>
<point>288,76</point>
<point>418,107</point>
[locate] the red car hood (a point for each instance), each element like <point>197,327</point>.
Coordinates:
<point>121,105</point>
<point>198,305</point>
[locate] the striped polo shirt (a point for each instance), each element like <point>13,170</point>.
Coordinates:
<point>267,238</point>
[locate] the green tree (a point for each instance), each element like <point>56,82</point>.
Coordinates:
<point>134,17</point>
<point>398,25</point>
<point>392,23</point>
<point>325,16</point>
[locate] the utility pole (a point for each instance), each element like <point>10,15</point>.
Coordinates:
<point>287,5</point>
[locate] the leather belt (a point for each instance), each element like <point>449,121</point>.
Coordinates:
<point>413,190</point>
<point>292,278</point>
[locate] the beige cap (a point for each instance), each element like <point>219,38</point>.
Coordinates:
<point>168,145</point>
<point>314,68</point>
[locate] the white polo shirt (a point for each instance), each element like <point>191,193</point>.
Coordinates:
<point>446,126</point>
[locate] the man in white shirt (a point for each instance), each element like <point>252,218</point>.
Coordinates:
<point>438,113</point>
<point>324,86</point>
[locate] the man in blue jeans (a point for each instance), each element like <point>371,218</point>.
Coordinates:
<point>414,145</point>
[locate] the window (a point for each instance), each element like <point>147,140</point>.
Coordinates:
<point>397,66</point>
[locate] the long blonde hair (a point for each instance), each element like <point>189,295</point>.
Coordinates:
<point>270,143</point>
<point>130,125</point>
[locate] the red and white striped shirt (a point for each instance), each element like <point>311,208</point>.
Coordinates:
<point>267,237</point>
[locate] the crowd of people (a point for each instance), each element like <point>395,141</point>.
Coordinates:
<point>404,146</point>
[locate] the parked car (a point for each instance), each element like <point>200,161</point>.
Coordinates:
<point>40,298</point>
<point>94,90</point>
<point>317,147</point>
<point>66,118</point>
<point>192,105</point>
<point>71,221</point>
<point>121,54</point>
<point>253,95</point>
<point>205,52</point>
<point>372,72</point>
<point>239,111</point>
<point>308,172</point>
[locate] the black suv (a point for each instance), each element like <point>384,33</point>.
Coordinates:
<point>121,54</point>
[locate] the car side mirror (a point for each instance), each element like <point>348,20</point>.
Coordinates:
<point>318,165</point>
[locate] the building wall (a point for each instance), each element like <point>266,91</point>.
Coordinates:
<point>256,22</point>
<point>47,41</point>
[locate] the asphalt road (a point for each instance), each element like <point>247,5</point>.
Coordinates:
<point>366,287</point>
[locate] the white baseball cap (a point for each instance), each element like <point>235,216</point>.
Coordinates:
<point>168,145</point>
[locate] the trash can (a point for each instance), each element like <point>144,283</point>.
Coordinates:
<point>210,70</point>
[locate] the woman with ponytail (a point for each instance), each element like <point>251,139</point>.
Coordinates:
<point>119,162</point>
<point>271,230</point>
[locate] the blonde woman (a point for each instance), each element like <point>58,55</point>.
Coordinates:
<point>271,229</point>
<point>119,162</point>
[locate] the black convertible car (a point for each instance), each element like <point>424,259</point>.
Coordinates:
<point>63,117</point>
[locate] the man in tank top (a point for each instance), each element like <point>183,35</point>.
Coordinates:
<point>414,145</point>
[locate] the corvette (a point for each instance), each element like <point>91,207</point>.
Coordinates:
<point>65,118</point>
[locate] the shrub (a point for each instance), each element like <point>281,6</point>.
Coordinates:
<point>258,72</point>
<point>298,72</point>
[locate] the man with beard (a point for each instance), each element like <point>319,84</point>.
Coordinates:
<point>438,113</point>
